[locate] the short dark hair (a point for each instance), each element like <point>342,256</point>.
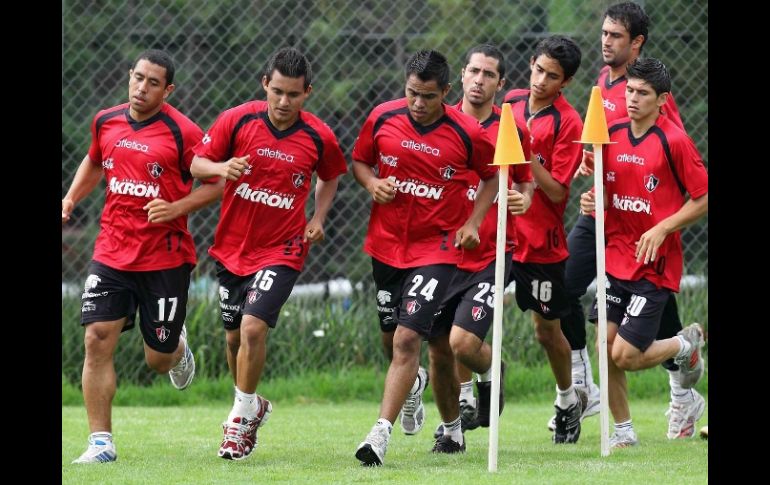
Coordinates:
<point>651,71</point>
<point>160,58</point>
<point>633,18</point>
<point>428,65</point>
<point>488,50</point>
<point>564,50</point>
<point>291,63</point>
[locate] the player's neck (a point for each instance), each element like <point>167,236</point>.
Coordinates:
<point>481,113</point>
<point>617,72</point>
<point>139,117</point>
<point>537,105</point>
<point>642,126</point>
<point>281,125</point>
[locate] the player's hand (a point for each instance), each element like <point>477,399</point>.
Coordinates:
<point>159,210</point>
<point>66,210</point>
<point>588,202</point>
<point>586,167</point>
<point>234,168</point>
<point>518,203</point>
<point>467,237</point>
<point>383,190</point>
<point>314,232</point>
<point>647,246</point>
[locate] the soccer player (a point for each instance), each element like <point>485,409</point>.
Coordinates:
<point>647,173</point>
<point>538,263</point>
<point>144,253</point>
<point>470,298</point>
<point>423,150</point>
<point>624,33</point>
<point>267,151</point>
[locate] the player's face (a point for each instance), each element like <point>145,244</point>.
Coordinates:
<point>617,46</point>
<point>285,97</point>
<point>546,78</point>
<point>424,99</point>
<point>481,79</point>
<point>641,101</point>
<point>147,89</point>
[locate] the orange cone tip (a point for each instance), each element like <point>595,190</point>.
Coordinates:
<point>508,150</point>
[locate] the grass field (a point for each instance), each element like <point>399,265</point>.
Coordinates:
<point>314,443</point>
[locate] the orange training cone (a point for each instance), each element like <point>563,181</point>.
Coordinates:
<point>595,128</point>
<point>508,150</point>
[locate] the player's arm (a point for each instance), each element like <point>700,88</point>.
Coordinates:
<point>520,197</point>
<point>467,236</point>
<point>692,210</point>
<point>159,210</point>
<point>86,178</point>
<point>383,190</point>
<point>203,168</point>
<point>553,189</point>
<point>324,196</point>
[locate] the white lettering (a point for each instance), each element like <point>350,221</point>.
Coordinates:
<point>420,147</point>
<point>630,158</point>
<point>132,145</point>
<point>135,188</point>
<point>608,104</point>
<point>631,204</point>
<point>276,154</point>
<point>419,189</point>
<point>262,197</point>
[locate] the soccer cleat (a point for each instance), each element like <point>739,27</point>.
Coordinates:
<point>704,432</point>
<point>182,374</point>
<point>445,444</point>
<point>371,451</point>
<point>413,410</point>
<point>241,434</point>
<point>691,364</point>
<point>593,407</point>
<point>469,418</point>
<point>623,438</point>
<point>485,399</point>
<point>568,420</point>
<point>682,417</point>
<point>99,451</point>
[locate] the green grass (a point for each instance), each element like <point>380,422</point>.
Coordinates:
<point>314,443</point>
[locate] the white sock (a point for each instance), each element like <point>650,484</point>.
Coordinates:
<point>384,423</point>
<point>565,398</point>
<point>104,436</point>
<point>486,376</point>
<point>454,430</point>
<point>466,391</point>
<point>245,405</point>
<point>684,346</point>
<point>582,374</point>
<point>679,395</point>
<point>623,426</point>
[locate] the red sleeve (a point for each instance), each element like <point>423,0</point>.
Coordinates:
<point>363,150</point>
<point>215,145</point>
<point>689,167</point>
<point>483,154</point>
<point>566,155</point>
<point>671,112</point>
<point>95,151</point>
<point>333,164</point>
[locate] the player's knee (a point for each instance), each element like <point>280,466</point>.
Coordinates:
<point>464,346</point>
<point>625,356</point>
<point>253,330</point>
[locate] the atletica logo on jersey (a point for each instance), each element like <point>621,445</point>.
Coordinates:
<point>155,169</point>
<point>478,313</point>
<point>608,104</point>
<point>447,172</point>
<point>389,160</point>
<point>420,147</point>
<point>264,196</point>
<point>630,158</point>
<point>298,179</point>
<point>418,188</point>
<point>651,182</point>
<point>132,145</point>
<point>276,154</point>
<point>134,187</point>
<point>631,204</point>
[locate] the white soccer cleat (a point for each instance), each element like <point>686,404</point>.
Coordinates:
<point>413,410</point>
<point>99,450</point>
<point>182,374</point>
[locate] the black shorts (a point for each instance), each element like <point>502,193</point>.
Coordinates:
<point>261,294</point>
<point>410,296</point>
<point>540,288</point>
<point>470,300</point>
<point>111,294</point>
<point>636,307</point>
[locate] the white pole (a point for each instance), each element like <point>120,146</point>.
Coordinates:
<point>601,300</point>
<point>497,323</point>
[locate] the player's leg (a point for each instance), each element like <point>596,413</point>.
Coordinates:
<point>446,390</point>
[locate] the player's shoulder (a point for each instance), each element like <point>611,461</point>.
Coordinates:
<point>516,95</point>
<point>179,118</point>
<point>111,111</point>
<point>317,124</point>
<point>390,106</point>
<point>674,133</point>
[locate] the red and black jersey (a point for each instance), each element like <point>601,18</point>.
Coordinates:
<point>262,220</point>
<point>646,180</point>
<point>614,99</point>
<point>430,165</point>
<point>553,132</point>
<point>142,161</point>
<point>474,260</point>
